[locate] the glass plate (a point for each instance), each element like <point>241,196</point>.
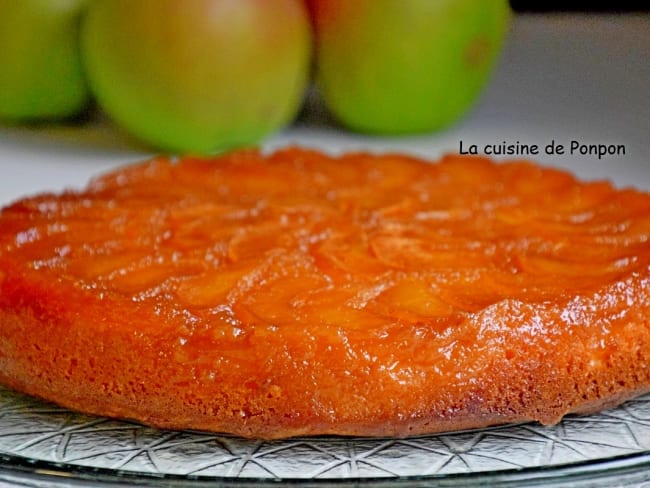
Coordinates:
<point>46,444</point>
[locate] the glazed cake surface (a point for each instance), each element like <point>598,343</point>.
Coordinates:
<point>296,293</point>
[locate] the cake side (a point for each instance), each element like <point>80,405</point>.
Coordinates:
<point>551,361</point>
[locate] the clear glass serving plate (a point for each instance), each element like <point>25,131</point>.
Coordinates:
<point>42,445</point>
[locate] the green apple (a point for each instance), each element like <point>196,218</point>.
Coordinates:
<point>405,66</point>
<point>41,75</point>
<point>198,75</point>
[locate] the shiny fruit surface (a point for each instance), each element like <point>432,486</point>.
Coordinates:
<point>405,66</point>
<point>198,75</point>
<point>41,75</point>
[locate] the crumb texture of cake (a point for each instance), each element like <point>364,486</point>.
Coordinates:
<point>297,293</point>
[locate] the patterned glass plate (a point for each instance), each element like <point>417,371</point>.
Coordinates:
<point>42,443</point>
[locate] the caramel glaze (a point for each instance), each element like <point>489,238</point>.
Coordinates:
<point>297,293</point>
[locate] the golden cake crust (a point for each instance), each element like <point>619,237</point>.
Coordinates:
<point>297,293</point>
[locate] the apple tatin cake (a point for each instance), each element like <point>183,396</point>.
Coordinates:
<point>297,293</point>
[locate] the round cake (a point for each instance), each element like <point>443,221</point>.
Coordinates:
<point>296,293</point>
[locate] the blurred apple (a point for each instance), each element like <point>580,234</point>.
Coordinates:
<point>405,66</point>
<point>41,76</point>
<point>198,75</point>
